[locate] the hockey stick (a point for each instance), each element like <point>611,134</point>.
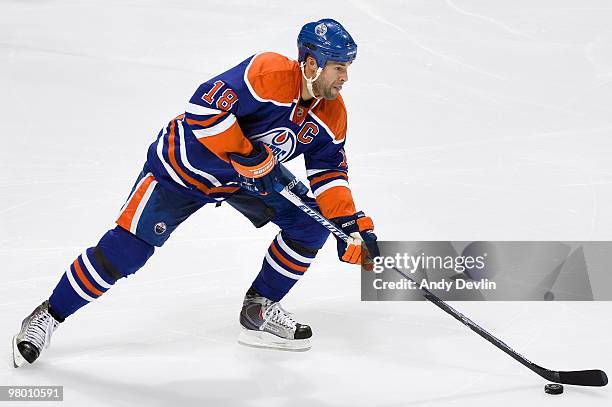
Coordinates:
<point>576,377</point>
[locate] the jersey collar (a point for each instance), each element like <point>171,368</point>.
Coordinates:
<point>299,113</point>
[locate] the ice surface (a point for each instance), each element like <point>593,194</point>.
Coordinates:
<point>467,121</point>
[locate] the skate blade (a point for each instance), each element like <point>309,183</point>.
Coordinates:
<point>266,340</point>
<point>18,360</point>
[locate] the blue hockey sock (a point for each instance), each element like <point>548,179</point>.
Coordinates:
<point>284,264</point>
<point>84,281</point>
<point>118,254</point>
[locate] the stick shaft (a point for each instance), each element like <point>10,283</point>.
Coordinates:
<point>584,378</point>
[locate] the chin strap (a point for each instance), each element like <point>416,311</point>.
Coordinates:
<point>309,81</point>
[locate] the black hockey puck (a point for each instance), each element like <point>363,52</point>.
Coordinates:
<point>553,388</point>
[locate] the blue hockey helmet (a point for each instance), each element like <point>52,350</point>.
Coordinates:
<point>325,40</point>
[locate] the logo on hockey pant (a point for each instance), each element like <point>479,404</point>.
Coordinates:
<point>160,228</point>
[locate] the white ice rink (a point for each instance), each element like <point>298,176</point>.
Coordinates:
<point>468,120</point>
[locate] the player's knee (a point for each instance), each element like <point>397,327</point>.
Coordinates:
<point>121,253</point>
<point>308,248</point>
<point>312,236</point>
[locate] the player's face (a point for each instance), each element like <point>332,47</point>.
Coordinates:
<point>333,76</point>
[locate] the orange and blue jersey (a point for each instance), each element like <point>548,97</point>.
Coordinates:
<point>187,166</point>
<point>257,100</point>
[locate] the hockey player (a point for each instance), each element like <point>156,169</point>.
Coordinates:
<point>228,145</point>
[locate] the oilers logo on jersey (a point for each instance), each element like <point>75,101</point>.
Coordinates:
<point>282,142</point>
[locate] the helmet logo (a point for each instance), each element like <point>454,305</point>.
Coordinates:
<point>320,29</point>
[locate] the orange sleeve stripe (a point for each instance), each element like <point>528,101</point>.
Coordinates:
<point>125,219</point>
<point>84,279</point>
<point>185,176</point>
<point>206,122</point>
<point>285,261</point>
<point>175,165</point>
<point>229,141</point>
<point>336,201</point>
<point>328,176</point>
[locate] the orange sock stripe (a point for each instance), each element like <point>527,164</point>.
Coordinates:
<point>286,261</point>
<point>84,279</point>
<point>125,219</point>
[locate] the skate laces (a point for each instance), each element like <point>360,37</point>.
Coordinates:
<point>40,329</point>
<point>276,313</point>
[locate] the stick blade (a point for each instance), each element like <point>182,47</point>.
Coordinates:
<point>584,378</point>
<point>577,377</point>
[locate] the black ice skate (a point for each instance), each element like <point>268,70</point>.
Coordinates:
<point>35,334</point>
<point>265,324</point>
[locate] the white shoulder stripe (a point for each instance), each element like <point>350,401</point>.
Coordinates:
<point>217,128</point>
<point>186,162</point>
<point>334,183</point>
<point>200,110</point>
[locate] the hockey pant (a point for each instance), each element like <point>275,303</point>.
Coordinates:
<point>148,218</point>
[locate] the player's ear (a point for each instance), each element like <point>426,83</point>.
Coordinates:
<point>311,63</point>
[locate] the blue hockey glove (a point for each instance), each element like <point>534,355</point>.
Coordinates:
<point>275,180</point>
<point>259,171</point>
<point>360,229</point>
